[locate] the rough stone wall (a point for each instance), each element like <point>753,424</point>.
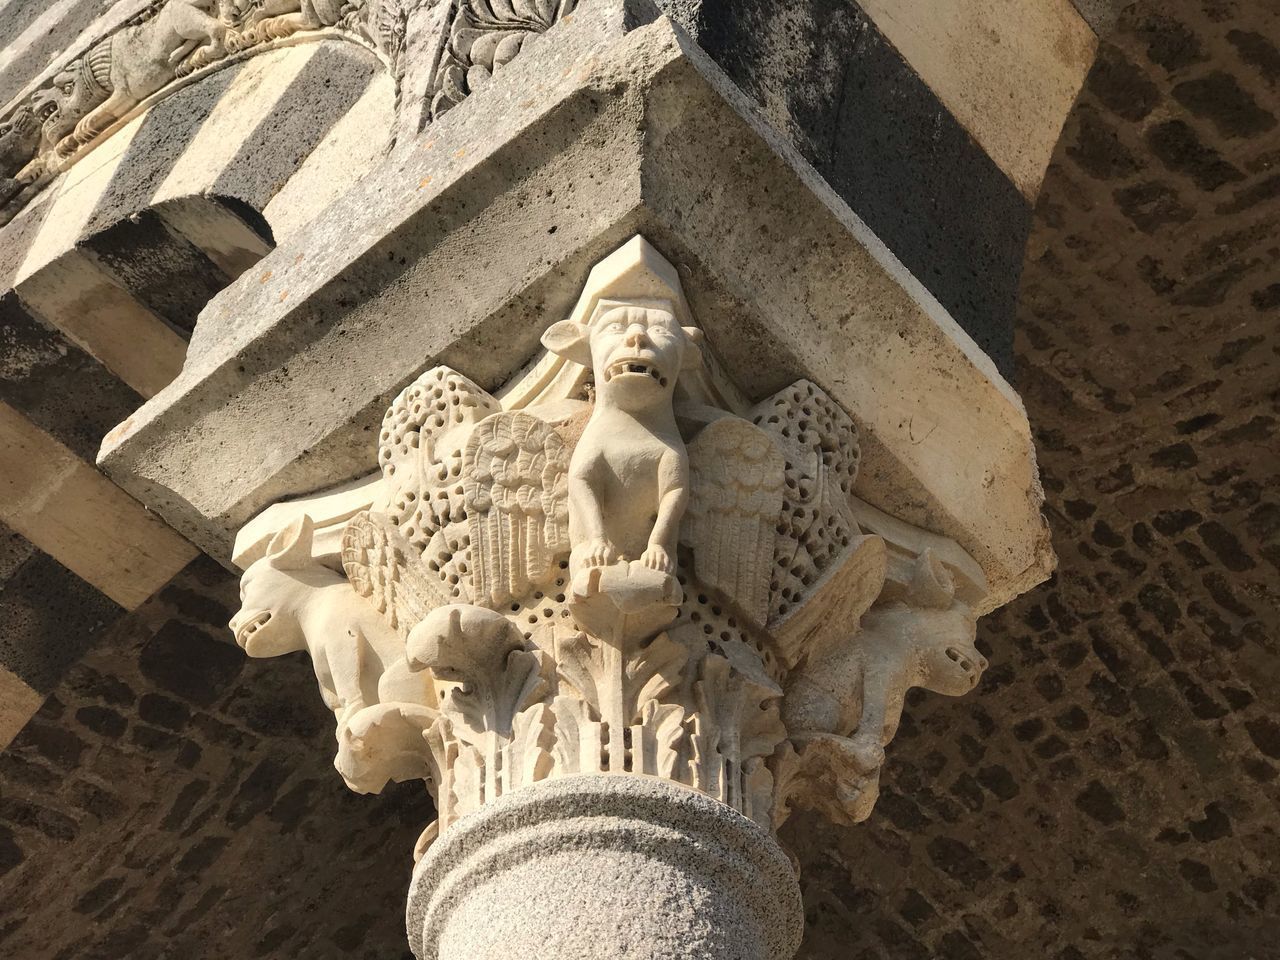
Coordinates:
<point>1111,789</point>
<point>173,798</point>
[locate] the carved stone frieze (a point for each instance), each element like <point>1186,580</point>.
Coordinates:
<point>171,42</point>
<point>613,567</point>
<point>168,43</point>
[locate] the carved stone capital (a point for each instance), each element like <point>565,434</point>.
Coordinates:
<point>617,565</point>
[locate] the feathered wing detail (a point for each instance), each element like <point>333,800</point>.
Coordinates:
<point>736,475</point>
<point>819,444</point>
<point>384,567</point>
<point>516,484</point>
<point>420,452</point>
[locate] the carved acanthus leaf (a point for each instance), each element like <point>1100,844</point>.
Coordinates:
<point>736,727</point>
<point>485,35</point>
<point>618,710</point>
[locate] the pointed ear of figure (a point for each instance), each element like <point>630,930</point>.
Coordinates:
<point>693,352</point>
<point>290,549</point>
<point>570,340</point>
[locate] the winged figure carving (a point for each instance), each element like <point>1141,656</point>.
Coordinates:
<point>721,611</point>
<point>517,504</point>
<point>736,473</point>
<point>421,450</point>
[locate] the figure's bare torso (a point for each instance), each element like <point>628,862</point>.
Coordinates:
<point>628,469</point>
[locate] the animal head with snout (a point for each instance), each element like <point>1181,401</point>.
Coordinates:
<point>636,350</point>
<point>921,608</point>
<point>275,590</point>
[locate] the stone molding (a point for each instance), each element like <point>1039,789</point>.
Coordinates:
<point>615,565</point>
<point>702,882</point>
<point>481,37</point>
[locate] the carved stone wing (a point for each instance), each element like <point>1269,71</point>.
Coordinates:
<point>421,447</point>
<point>820,446</point>
<point>736,474</point>
<point>516,483</point>
<point>382,566</point>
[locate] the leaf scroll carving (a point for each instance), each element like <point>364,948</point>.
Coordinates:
<point>484,36</point>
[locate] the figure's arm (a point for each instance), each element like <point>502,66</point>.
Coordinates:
<point>587,514</point>
<point>584,503</point>
<point>673,497</point>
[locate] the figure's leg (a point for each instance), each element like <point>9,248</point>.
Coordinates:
<point>180,53</point>
<point>94,123</point>
<point>205,42</point>
<point>881,710</point>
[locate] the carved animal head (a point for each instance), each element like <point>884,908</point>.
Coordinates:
<point>458,641</point>
<point>73,92</point>
<point>274,590</point>
<point>941,630</point>
<point>636,351</point>
<point>19,137</point>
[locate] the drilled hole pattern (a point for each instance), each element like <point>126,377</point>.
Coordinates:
<point>704,625</point>
<point>820,445</point>
<point>421,456</point>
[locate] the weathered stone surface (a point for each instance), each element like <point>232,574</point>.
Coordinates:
<point>54,382</point>
<point>51,618</point>
<point>100,316</point>
<point>645,111</point>
<point>33,33</point>
<point>182,801</point>
<point>18,701</point>
<point>830,82</point>
<point>673,874</point>
<point>73,513</point>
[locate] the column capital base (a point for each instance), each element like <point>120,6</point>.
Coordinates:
<point>628,866</point>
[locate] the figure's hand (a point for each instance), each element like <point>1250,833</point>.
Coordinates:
<point>600,552</point>
<point>657,558</point>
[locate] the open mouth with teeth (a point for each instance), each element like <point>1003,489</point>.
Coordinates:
<point>633,367</point>
<point>48,112</point>
<point>246,632</point>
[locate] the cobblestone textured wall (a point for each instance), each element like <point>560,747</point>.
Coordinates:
<point>1110,791</point>
<point>174,799</point>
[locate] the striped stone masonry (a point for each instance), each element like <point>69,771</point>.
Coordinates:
<point>234,238</point>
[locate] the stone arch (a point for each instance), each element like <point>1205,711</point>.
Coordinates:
<point>120,253</point>
<point>143,53</point>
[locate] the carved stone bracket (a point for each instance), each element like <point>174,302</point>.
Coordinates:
<point>615,567</point>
